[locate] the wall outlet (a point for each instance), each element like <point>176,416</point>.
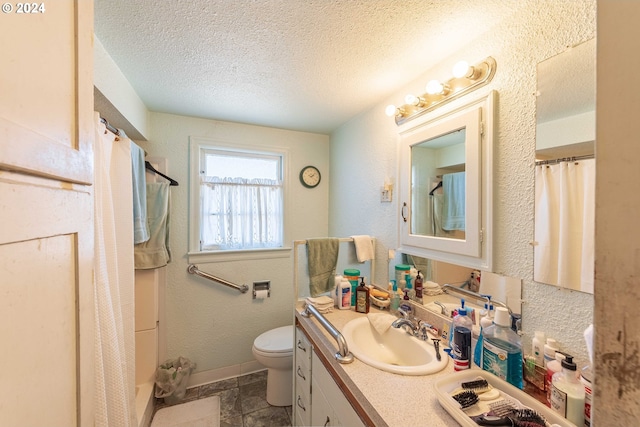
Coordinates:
<point>385,195</point>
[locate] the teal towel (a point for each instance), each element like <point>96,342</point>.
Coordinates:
<point>453,211</point>
<point>322,256</point>
<point>140,226</point>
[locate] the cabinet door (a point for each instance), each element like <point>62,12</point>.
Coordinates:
<point>321,411</point>
<point>333,406</point>
<point>446,183</point>
<point>46,205</point>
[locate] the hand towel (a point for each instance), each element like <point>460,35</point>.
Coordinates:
<point>323,304</point>
<point>364,248</point>
<point>320,301</point>
<point>453,211</point>
<point>322,256</point>
<point>381,322</point>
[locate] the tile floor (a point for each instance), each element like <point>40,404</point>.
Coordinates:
<point>243,402</point>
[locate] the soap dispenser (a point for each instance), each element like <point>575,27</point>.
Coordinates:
<point>567,392</point>
<point>362,297</point>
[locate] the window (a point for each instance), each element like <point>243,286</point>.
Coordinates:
<point>240,203</point>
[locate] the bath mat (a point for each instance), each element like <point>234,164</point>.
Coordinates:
<point>197,413</point>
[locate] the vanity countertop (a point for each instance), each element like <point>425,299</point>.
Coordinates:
<point>387,399</point>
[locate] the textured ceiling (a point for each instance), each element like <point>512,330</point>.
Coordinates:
<point>307,65</point>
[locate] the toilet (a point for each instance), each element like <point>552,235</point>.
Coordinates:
<point>274,350</point>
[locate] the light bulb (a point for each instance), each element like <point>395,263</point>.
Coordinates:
<point>391,110</point>
<point>462,69</point>
<point>434,87</point>
<point>414,100</point>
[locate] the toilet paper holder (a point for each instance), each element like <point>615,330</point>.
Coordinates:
<point>262,286</point>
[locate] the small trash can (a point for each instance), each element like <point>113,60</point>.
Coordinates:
<point>172,378</point>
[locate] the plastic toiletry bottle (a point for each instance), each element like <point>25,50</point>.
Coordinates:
<point>553,368</point>
<point>567,393</point>
<point>418,287</point>
<point>344,294</point>
<point>401,271</point>
<point>461,348</point>
<point>550,349</point>
<point>412,293</point>
<point>486,320</point>
<point>352,275</point>
<point>537,347</point>
<point>585,378</point>
<point>406,294</point>
<point>362,297</point>
<point>502,349</point>
<point>336,290</point>
<point>395,298</point>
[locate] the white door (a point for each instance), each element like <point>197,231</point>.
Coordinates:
<point>46,214</point>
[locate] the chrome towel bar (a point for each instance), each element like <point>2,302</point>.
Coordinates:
<point>193,269</point>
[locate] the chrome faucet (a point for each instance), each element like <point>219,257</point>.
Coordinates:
<point>443,308</point>
<point>415,327</point>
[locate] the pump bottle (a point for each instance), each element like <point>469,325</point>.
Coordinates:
<point>567,393</point>
<point>418,287</point>
<point>362,297</point>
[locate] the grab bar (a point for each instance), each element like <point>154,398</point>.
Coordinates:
<point>343,355</point>
<point>193,269</point>
<point>471,294</point>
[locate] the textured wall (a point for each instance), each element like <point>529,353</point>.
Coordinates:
<point>364,154</point>
<point>207,322</point>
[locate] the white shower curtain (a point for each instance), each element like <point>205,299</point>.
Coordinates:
<point>565,224</point>
<point>114,281</point>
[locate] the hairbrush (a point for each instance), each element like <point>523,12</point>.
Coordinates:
<point>466,398</point>
<point>516,418</point>
<point>479,385</point>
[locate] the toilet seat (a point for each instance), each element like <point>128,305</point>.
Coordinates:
<point>277,342</point>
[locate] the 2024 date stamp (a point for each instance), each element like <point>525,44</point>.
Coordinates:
<point>24,8</point>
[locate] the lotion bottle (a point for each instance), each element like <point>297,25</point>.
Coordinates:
<point>344,295</point>
<point>537,347</point>
<point>567,393</point>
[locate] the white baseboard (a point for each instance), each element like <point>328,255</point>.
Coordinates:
<point>213,375</point>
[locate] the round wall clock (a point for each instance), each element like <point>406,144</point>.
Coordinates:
<point>310,176</point>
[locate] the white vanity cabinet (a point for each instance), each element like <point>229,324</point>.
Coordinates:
<point>329,406</point>
<point>445,185</point>
<point>318,400</point>
<point>302,380</point>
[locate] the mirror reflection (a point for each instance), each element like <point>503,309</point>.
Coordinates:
<point>565,169</point>
<point>438,186</point>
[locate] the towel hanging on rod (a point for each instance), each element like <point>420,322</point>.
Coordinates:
<point>149,167</point>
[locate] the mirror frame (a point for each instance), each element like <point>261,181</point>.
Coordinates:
<point>476,250</point>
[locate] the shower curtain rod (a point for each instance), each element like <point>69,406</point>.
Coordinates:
<point>564,159</point>
<point>109,127</point>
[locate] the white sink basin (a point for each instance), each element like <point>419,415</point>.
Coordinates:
<point>393,351</point>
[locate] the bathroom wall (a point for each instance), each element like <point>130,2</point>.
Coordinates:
<point>364,154</point>
<point>209,323</point>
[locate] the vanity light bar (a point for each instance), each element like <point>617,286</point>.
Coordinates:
<point>466,78</point>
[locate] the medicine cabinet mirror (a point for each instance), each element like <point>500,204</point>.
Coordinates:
<point>565,166</point>
<point>445,185</point>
